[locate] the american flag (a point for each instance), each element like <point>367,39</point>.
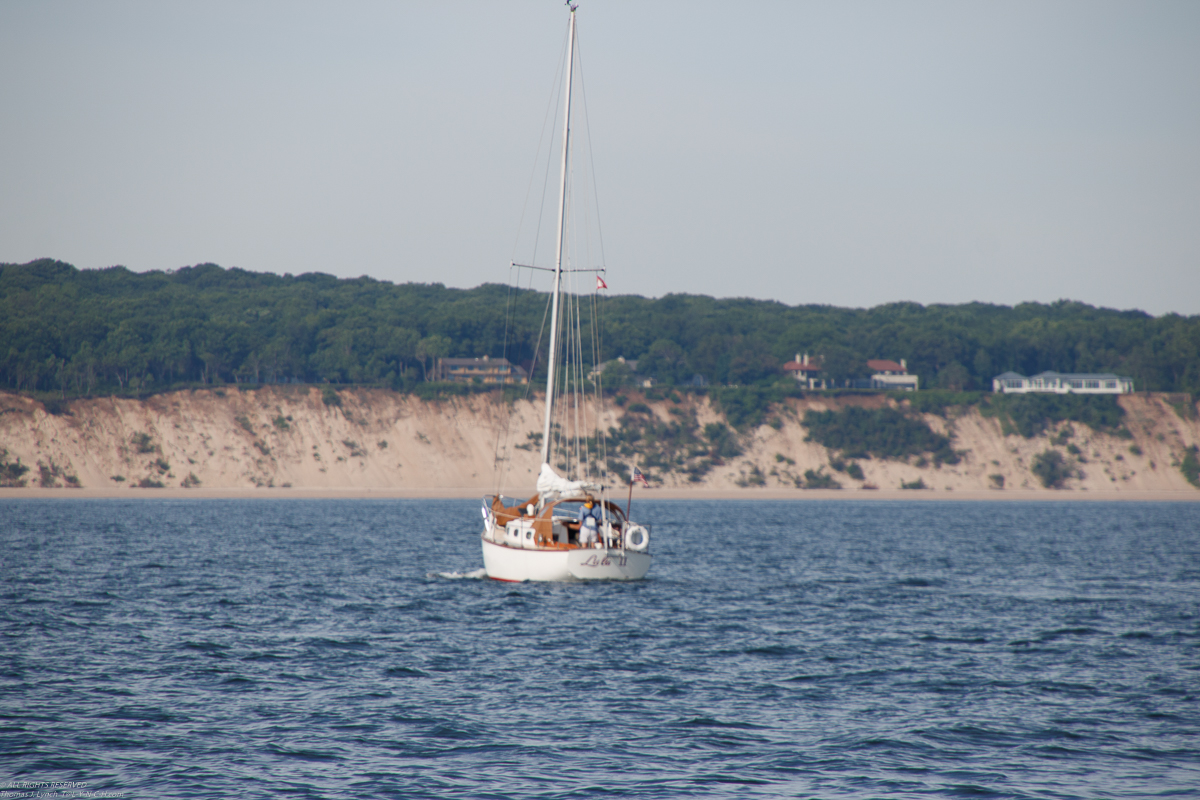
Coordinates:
<point>638,477</point>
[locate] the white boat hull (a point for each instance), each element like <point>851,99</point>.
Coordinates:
<point>504,563</point>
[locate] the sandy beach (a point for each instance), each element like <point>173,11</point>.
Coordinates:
<point>855,495</point>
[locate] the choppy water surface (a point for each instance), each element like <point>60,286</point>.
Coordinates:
<point>778,649</point>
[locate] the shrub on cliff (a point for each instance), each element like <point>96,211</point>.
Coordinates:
<point>879,433</point>
<point>1031,414</point>
<point>11,472</point>
<point>1053,469</point>
<point>1190,466</point>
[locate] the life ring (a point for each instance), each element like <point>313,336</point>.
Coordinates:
<point>637,538</point>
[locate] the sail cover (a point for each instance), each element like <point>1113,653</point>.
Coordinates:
<point>550,482</point>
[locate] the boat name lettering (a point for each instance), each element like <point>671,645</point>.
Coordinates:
<point>606,561</point>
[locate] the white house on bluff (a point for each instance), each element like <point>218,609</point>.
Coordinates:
<point>1063,383</point>
<point>890,375</point>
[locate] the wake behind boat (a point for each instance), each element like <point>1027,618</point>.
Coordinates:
<point>570,528</point>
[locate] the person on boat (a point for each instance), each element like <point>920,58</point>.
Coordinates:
<point>589,523</point>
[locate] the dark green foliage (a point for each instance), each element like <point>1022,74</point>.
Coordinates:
<point>11,472</point>
<point>938,401</point>
<point>676,446</point>
<point>997,480</point>
<point>329,397</point>
<point>754,477</point>
<point>919,483</point>
<point>850,468</point>
<point>1031,414</point>
<point>281,423</point>
<point>443,390</point>
<point>1184,405</point>
<point>143,443</point>
<point>747,406</point>
<point>616,376</point>
<point>57,407</point>
<point>819,479</point>
<point>722,441</point>
<point>76,332</point>
<point>880,433</point>
<point>1052,469</point>
<point>1190,466</point>
<point>52,476</point>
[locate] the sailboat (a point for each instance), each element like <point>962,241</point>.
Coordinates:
<point>570,528</point>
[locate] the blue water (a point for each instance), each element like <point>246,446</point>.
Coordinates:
<point>248,649</point>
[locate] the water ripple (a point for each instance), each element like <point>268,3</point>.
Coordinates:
<point>819,649</point>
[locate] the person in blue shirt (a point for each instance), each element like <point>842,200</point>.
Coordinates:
<point>589,523</point>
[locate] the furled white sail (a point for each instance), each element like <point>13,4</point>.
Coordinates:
<point>550,483</point>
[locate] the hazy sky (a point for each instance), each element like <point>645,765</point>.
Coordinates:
<point>851,153</point>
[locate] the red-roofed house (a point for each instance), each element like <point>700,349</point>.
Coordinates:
<point>805,371</point>
<point>890,375</point>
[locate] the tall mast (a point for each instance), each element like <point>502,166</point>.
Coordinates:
<point>558,257</point>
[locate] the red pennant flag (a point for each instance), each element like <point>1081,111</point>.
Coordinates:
<point>600,284</point>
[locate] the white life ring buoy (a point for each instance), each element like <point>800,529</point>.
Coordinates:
<point>637,538</point>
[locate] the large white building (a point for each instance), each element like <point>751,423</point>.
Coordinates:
<point>1063,383</point>
<point>890,375</point>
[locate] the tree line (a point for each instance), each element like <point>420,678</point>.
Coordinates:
<point>113,330</point>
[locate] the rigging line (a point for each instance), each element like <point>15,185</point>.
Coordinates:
<point>507,429</point>
<point>587,126</point>
<point>516,290</point>
<point>598,386</point>
<point>529,377</point>
<point>570,430</point>
<point>580,453</point>
<point>582,390</point>
<point>553,103</point>
<point>581,387</point>
<point>572,359</point>
<point>587,420</point>
<point>538,347</point>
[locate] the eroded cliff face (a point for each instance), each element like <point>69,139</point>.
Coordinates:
<point>376,439</point>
